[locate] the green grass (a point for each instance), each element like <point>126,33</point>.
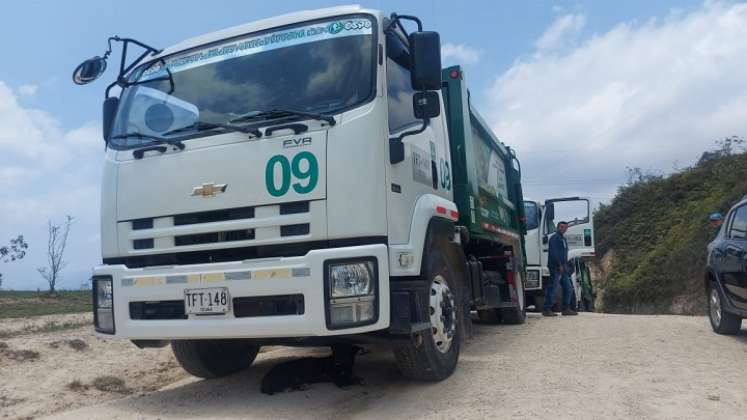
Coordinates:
<point>18,304</point>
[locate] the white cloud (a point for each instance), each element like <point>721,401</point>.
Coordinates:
<point>27,90</point>
<point>563,30</point>
<point>640,95</point>
<point>459,54</point>
<point>46,172</point>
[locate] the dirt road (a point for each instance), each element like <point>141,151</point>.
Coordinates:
<point>592,366</point>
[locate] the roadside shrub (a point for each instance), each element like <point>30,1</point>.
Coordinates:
<point>110,383</point>
<point>22,355</point>
<point>658,229</point>
<point>77,386</point>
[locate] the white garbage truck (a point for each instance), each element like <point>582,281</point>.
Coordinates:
<point>310,179</point>
<point>542,218</point>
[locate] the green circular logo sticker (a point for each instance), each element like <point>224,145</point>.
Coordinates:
<point>335,27</point>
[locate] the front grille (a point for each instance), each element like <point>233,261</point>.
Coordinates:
<point>294,208</point>
<point>240,227</point>
<point>244,307</point>
<point>214,237</point>
<point>142,224</point>
<point>165,309</point>
<point>142,243</point>
<point>214,216</point>
<point>237,254</point>
<point>294,230</point>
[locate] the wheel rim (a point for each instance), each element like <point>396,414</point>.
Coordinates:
<point>715,304</point>
<point>443,314</point>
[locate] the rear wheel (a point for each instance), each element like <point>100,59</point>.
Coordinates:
<point>433,355</point>
<point>722,322</point>
<point>214,358</point>
<point>539,301</point>
<point>588,305</point>
<point>489,316</point>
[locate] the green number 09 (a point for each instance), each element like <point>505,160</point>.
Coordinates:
<point>288,168</point>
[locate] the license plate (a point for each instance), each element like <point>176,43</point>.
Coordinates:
<point>210,300</point>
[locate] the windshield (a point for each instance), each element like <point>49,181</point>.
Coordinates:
<point>322,67</point>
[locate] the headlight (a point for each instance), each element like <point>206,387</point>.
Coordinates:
<point>351,279</point>
<point>351,292</point>
<point>103,304</point>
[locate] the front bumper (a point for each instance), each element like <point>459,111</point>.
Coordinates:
<point>269,277</point>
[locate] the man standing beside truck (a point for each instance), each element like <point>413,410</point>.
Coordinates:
<point>557,261</point>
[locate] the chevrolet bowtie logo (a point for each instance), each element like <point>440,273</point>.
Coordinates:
<point>209,189</point>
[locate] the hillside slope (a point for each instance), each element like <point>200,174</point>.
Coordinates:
<point>657,230</point>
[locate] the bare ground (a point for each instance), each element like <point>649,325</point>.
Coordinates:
<point>588,367</point>
<point>51,363</point>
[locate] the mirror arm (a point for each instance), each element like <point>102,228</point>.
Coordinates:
<point>397,147</point>
<point>413,132</point>
<point>395,18</point>
<point>134,63</point>
<point>108,88</point>
<point>136,42</point>
<point>123,67</point>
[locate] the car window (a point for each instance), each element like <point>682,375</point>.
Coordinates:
<point>738,227</point>
<point>532,214</point>
<point>399,85</point>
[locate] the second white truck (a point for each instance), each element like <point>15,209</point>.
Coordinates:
<point>542,219</point>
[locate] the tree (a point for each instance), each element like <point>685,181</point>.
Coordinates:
<point>730,145</point>
<point>13,252</point>
<point>56,243</point>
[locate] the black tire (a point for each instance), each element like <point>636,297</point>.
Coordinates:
<point>214,358</point>
<point>420,358</point>
<point>517,314</point>
<point>539,302</point>
<point>489,316</point>
<point>588,305</point>
<point>724,323</point>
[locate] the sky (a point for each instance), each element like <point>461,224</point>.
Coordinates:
<point>581,89</point>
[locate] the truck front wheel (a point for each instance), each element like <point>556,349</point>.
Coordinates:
<point>214,358</point>
<point>432,355</point>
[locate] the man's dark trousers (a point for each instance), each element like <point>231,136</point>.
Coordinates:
<point>552,286</point>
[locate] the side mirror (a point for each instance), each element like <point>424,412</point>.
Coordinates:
<point>110,111</point>
<point>89,70</point>
<point>396,150</point>
<point>550,211</point>
<point>425,53</point>
<point>426,105</point>
<point>716,219</point>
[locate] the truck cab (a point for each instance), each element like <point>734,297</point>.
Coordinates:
<point>290,181</point>
<point>542,218</point>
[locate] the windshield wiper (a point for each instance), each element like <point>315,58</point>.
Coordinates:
<point>154,139</point>
<point>281,112</point>
<point>139,153</point>
<point>204,125</point>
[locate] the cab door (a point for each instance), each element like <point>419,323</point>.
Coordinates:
<point>576,211</point>
<point>426,167</point>
<point>532,240</point>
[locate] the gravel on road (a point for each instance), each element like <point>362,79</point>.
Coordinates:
<point>593,366</point>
